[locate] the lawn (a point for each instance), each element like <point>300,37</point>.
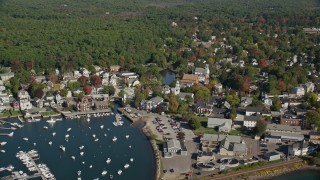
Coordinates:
<point>48,113</point>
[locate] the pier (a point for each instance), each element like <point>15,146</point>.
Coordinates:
<point>131,116</point>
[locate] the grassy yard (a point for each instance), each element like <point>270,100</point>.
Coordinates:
<point>6,114</point>
<point>48,113</point>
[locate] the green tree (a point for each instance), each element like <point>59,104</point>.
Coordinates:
<point>63,92</point>
<point>233,100</point>
<point>109,89</point>
<point>311,98</point>
<point>313,117</point>
<point>173,103</point>
<point>138,98</point>
<point>194,123</point>
<point>276,104</point>
<point>183,108</point>
<point>260,128</point>
<point>73,86</point>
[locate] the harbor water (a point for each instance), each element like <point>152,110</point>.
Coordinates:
<point>298,175</point>
<point>95,152</point>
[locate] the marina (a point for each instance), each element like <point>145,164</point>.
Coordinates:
<point>82,152</point>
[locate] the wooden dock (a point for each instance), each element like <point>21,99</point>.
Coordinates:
<point>127,115</point>
<point>70,114</point>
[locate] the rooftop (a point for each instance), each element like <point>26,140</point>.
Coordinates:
<point>278,127</point>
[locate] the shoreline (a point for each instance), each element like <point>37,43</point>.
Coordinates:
<point>277,172</point>
<point>156,153</point>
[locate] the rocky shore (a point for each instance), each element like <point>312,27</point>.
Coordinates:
<point>274,172</point>
<point>148,132</point>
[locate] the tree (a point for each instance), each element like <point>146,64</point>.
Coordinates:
<point>63,92</point>
<point>194,123</point>
<point>173,103</point>
<point>138,98</point>
<point>233,100</point>
<point>95,80</point>
<point>87,89</point>
<point>109,90</point>
<point>38,93</point>
<point>202,93</point>
<point>183,108</point>
<point>313,117</point>
<point>311,98</point>
<point>83,81</point>
<point>53,77</point>
<point>233,113</point>
<point>276,104</point>
<point>260,128</point>
<point>263,63</point>
<point>73,85</point>
<point>281,86</point>
<point>245,85</point>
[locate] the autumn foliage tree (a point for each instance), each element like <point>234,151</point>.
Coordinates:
<point>246,84</point>
<point>263,63</point>
<point>281,86</point>
<point>83,81</point>
<point>87,89</point>
<point>96,81</point>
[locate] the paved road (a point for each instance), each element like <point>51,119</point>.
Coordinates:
<point>228,176</point>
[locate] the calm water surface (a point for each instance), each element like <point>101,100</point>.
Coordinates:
<point>168,77</point>
<point>95,153</point>
<point>299,175</point>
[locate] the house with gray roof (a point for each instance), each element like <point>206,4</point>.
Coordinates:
<point>223,125</point>
<point>283,128</point>
<point>151,104</point>
<point>173,146</point>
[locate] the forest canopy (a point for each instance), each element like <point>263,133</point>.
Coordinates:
<point>68,34</point>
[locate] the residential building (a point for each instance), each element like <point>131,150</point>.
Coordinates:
<point>315,137</point>
<point>24,100</point>
<point>298,148</point>
<point>128,94</point>
<point>251,110</point>
<point>114,68</point>
<point>183,96</point>
<point>278,133</point>
<point>151,104</point>
<point>203,74</point>
<point>6,76</point>
<point>84,104</point>
<point>15,105</point>
<point>223,125</point>
<point>230,148</point>
<point>188,80</point>
<point>59,99</point>
<point>251,121</point>
<point>309,87</point>
<point>245,101</point>
<point>298,91</point>
<point>101,105</point>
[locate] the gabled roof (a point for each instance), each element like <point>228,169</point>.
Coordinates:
<point>190,77</point>
<point>252,118</point>
<point>253,109</point>
<point>157,99</point>
<point>220,137</point>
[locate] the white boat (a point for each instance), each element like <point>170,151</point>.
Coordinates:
<point>108,161</point>
<point>54,133</point>
<point>88,115</point>
<point>93,135</point>
<point>3,143</point>
<point>114,139</point>
<point>115,123</point>
<point>96,140</point>
<point>129,146</point>
<point>108,129</point>
<point>131,159</point>
<point>51,121</point>
<point>3,151</point>
<point>83,162</point>
<point>111,176</point>
<point>10,134</point>
<point>79,173</point>
<point>81,147</point>
<point>119,172</point>
<point>81,153</point>
<point>45,127</point>
<point>105,134</point>
<point>62,148</point>
<point>34,144</point>
<point>50,143</point>
<point>58,119</point>
<point>127,136</point>
<point>67,135</point>
<point>90,166</point>
<point>69,129</point>
<point>88,119</point>
<point>104,173</point>
<point>101,126</point>
<point>26,139</point>
<point>126,166</point>
<point>72,157</point>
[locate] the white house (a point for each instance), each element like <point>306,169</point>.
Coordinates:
<point>85,72</point>
<point>250,110</point>
<point>59,99</point>
<point>24,100</point>
<point>113,80</point>
<point>203,74</point>
<point>151,104</point>
<point>299,91</point>
<point>298,149</point>
<point>250,121</point>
